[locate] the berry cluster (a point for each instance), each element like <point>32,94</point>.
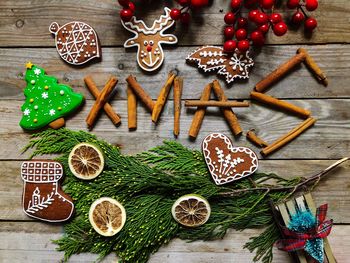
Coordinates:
<point>236,34</point>
<point>183,14</point>
<point>300,15</point>
<point>128,10</point>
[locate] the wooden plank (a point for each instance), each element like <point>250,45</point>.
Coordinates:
<point>332,190</point>
<point>25,23</point>
<point>25,240</point>
<point>333,59</point>
<point>320,142</point>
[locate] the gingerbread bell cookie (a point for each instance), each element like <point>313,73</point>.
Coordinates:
<point>225,162</point>
<point>47,102</point>
<point>43,197</point>
<point>76,42</point>
<point>231,66</point>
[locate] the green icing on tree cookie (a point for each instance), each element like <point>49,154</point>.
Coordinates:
<point>46,100</point>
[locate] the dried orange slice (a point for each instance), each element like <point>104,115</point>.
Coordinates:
<point>107,216</point>
<point>86,161</point>
<point>191,210</point>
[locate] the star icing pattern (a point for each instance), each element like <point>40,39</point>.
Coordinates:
<point>26,112</point>
<point>52,112</point>
<point>37,71</point>
<point>44,95</point>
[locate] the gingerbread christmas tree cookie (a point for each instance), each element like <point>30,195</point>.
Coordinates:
<point>47,102</point>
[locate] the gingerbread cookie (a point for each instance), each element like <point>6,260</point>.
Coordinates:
<point>76,42</point>
<point>47,102</point>
<point>148,40</point>
<point>225,162</point>
<point>232,66</point>
<point>43,197</point>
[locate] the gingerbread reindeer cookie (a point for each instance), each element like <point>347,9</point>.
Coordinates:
<point>225,162</point>
<point>43,197</point>
<point>76,42</point>
<point>149,40</point>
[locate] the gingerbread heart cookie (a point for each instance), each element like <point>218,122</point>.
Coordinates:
<point>225,162</point>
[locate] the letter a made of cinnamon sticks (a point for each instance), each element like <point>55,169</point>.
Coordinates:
<point>200,112</point>
<point>228,113</point>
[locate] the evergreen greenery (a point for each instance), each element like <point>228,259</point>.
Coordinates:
<point>147,185</point>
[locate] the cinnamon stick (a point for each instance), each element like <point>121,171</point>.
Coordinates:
<point>132,109</point>
<point>200,112</point>
<point>140,92</point>
<point>315,69</point>
<point>90,84</point>
<point>228,113</point>
<point>101,101</point>
<point>271,101</point>
<point>289,136</point>
<point>251,136</point>
<point>214,103</point>
<point>178,85</point>
<point>162,98</point>
<point>277,74</point>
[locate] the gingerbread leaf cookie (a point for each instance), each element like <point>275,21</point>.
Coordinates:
<point>47,102</point>
<point>43,197</point>
<point>225,162</point>
<point>231,66</point>
<point>76,42</point>
<point>149,40</point>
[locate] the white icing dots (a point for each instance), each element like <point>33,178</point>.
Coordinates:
<point>61,92</point>
<point>32,81</point>
<point>36,107</point>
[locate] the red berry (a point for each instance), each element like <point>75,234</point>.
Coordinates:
<point>126,14</point>
<point>291,4</point>
<point>275,18</point>
<point>199,3</point>
<point>230,18</point>
<point>242,22</point>
<point>131,6</point>
<point>243,45</point>
<point>249,3</point>
<point>267,4</point>
<point>261,18</point>
<point>185,18</point>
<point>257,37</point>
<point>298,17</point>
<point>310,24</point>
<point>241,34</point>
<point>124,3</point>
<point>183,2</point>
<point>175,13</point>
<point>311,5</point>
<point>235,4</point>
<point>230,46</point>
<point>229,32</point>
<point>264,28</point>
<point>253,14</point>
<point>280,29</point>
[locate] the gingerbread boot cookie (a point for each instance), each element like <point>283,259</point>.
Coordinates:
<point>43,197</point>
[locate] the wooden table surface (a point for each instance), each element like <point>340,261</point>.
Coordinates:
<point>24,36</point>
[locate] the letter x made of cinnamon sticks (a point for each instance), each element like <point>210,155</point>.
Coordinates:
<point>273,77</point>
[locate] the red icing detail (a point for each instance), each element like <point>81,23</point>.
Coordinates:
<point>149,48</point>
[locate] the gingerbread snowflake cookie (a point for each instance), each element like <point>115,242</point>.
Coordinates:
<point>149,40</point>
<point>225,162</point>
<point>76,42</point>
<point>43,197</point>
<point>231,66</point>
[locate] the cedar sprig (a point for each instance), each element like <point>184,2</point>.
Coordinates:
<point>148,184</point>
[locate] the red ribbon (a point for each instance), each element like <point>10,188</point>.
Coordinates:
<point>297,240</point>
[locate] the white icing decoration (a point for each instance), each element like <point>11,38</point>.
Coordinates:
<point>32,81</point>
<point>62,92</point>
<point>139,28</point>
<point>225,171</point>
<point>37,71</point>
<point>36,107</point>
<point>26,112</point>
<point>44,95</point>
<point>52,112</point>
